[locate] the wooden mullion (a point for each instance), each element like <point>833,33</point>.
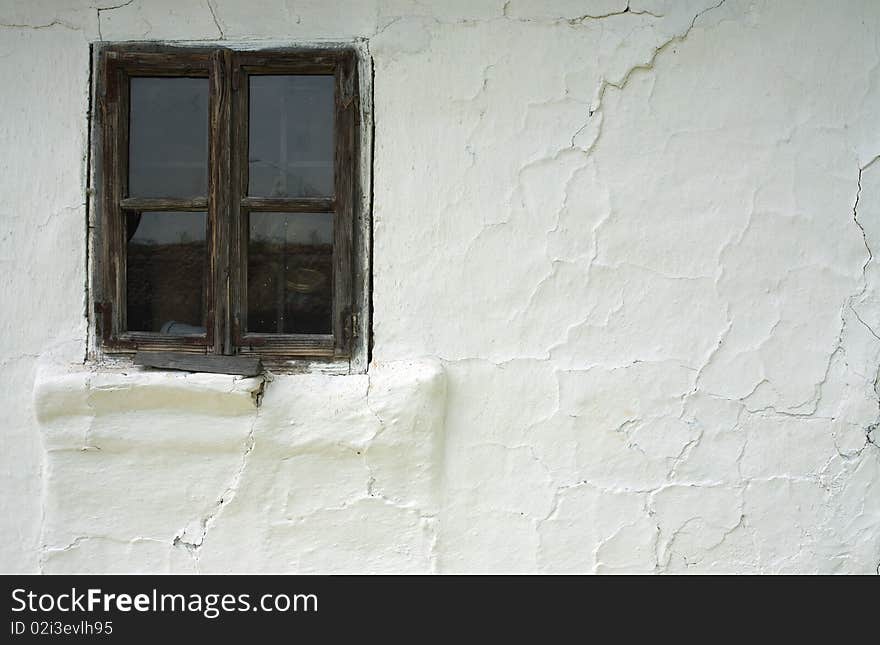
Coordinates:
<point>145,204</point>
<point>141,339</point>
<point>160,72</point>
<point>218,310</point>
<point>298,68</point>
<point>110,218</point>
<point>132,341</point>
<point>238,213</point>
<point>120,189</point>
<point>290,61</point>
<point>298,345</point>
<point>343,220</point>
<point>161,62</point>
<point>290,204</point>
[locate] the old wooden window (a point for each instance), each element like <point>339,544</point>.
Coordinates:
<point>228,184</point>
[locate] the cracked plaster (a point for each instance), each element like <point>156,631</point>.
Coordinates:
<point>635,239</point>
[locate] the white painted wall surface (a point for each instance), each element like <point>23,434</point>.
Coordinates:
<point>626,307</point>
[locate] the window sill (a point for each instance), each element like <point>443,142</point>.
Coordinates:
<point>72,395</point>
<point>114,361</point>
<point>96,407</point>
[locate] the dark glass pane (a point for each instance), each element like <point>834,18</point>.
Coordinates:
<point>290,273</point>
<point>168,137</point>
<point>166,272</point>
<point>291,136</point>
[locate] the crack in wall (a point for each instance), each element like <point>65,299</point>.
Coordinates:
<point>868,260</point>
<point>213,11</point>
<point>648,65</point>
<point>850,304</point>
<point>193,546</point>
<point>100,10</point>
<point>577,20</point>
<point>54,23</point>
<point>47,552</point>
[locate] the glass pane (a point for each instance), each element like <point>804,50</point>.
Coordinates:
<point>168,137</point>
<point>290,140</point>
<point>166,272</point>
<point>290,273</point>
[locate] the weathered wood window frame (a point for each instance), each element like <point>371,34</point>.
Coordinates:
<point>228,205</point>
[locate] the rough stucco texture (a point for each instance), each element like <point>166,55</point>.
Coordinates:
<point>626,305</point>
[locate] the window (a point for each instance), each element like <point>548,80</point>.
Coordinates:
<point>231,223</point>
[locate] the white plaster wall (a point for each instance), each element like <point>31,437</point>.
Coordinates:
<point>626,306</point>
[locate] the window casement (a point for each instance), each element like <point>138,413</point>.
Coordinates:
<point>229,195</point>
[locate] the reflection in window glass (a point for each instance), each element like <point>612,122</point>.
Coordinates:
<point>168,137</point>
<point>166,267</point>
<point>290,136</point>
<point>290,273</point>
